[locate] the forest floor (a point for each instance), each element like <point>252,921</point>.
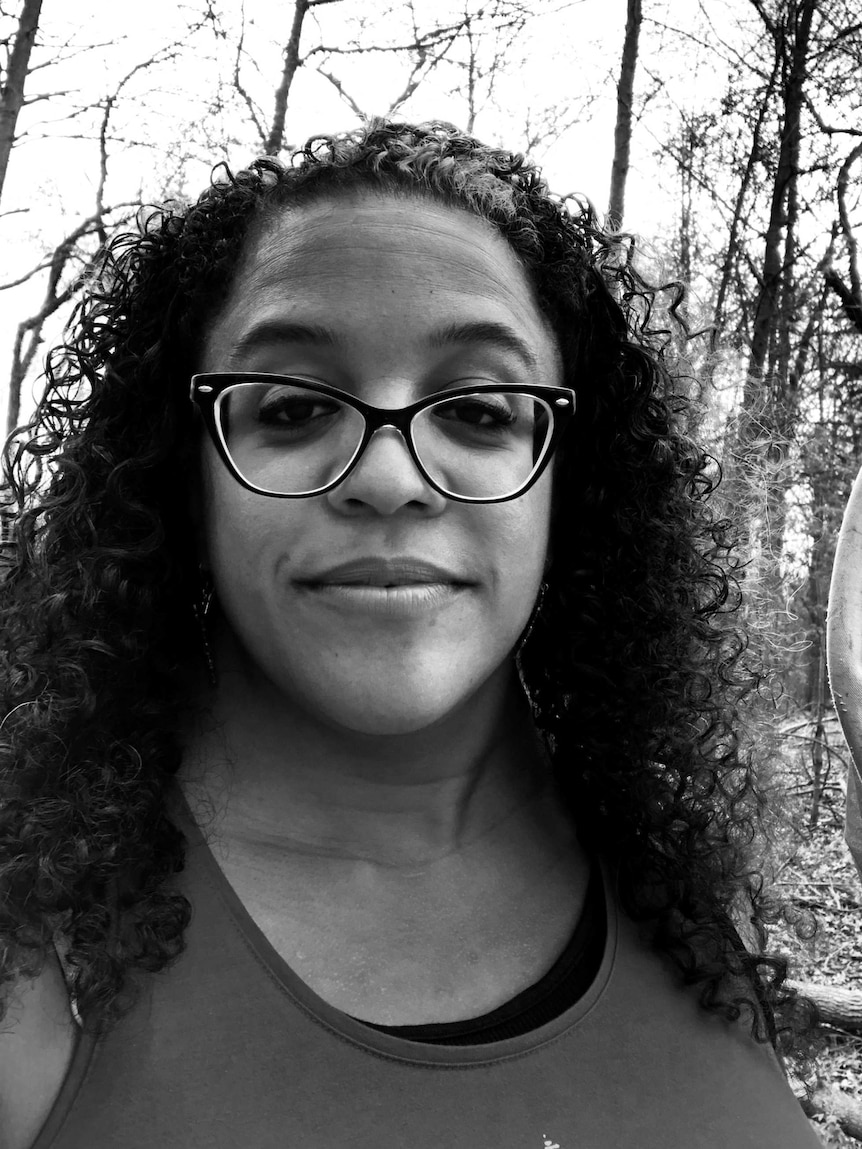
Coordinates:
<point>815,874</point>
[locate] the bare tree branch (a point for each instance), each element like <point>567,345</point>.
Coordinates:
<point>782,217</point>
<point>275,140</point>
<point>12,90</point>
<point>425,64</point>
<point>768,21</point>
<point>730,54</point>
<point>846,226</point>
<point>28,275</point>
<point>427,40</point>
<point>339,87</point>
<point>58,56</point>
<point>551,123</point>
<point>253,110</point>
<point>40,97</point>
<point>28,336</point>
<point>850,297</point>
<point>829,129</point>
<point>29,332</point>
<point>623,129</point>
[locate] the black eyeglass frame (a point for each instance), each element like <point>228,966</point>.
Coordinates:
<point>206,389</point>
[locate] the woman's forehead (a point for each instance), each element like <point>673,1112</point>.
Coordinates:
<point>375,259</point>
<point>395,228</point>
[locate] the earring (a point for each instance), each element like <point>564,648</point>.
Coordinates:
<point>201,609</point>
<point>528,630</point>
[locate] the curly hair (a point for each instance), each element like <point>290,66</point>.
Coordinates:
<point>633,664</point>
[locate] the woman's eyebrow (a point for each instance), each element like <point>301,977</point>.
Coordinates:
<point>282,331</point>
<point>485,331</point>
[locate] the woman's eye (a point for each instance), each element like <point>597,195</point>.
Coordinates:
<point>477,411</point>
<point>295,411</point>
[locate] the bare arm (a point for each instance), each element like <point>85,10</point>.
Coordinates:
<point>37,1040</point>
<point>844,654</point>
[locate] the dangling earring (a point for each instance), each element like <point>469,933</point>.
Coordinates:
<point>202,609</point>
<point>528,630</point>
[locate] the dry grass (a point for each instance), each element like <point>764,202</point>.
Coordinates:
<point>815,874</point>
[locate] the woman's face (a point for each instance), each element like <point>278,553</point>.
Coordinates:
<point>390,300</point>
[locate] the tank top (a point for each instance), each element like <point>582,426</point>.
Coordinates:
<point>229,1048</point>
<point>568,978</point>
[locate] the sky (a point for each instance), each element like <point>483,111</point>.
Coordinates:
<point>567,61</point>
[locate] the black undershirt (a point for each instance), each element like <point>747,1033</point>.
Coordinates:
<point>567,980</point>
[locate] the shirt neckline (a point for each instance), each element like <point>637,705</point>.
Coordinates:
<point>548,997</point>
<point>357,1033</point>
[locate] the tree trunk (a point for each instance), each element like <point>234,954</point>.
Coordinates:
<point>729,264</point>
<point>838,1007</point>
<point>275,141</point>
<point>817,758</point>
<point>623,129</point>
<point>798,24</point>
<point>851,297</point>
<point>12,92</point>
<point>769,407</point>
<point>833,1102</point>
<point>841,1008</point>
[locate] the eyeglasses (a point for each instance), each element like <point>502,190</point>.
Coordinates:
<point>290,437</point>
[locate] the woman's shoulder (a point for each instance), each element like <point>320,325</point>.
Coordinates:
<point>37,1040</point>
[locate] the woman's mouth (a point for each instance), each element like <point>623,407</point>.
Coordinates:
<point>391,587</point>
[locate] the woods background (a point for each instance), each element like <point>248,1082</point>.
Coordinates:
<point>727,133</point>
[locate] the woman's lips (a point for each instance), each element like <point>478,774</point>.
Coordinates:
<point>383,572</point>
<point>404,601</point>
<point>399,587</point>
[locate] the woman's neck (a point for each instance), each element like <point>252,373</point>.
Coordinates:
<point>279,778</point>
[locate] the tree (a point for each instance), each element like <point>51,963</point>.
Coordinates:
<point>272,137</point>
<point>246,102</point>
<point>775,306</point>
<point>14,75</point>
<point>623,130</point>
<point>71,259</point>
<point>473,42</point>
<point>850,294</point>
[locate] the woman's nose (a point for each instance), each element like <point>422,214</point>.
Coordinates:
<point>386,479</point>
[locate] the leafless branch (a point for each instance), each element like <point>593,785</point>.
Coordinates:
<point>59,57</point>
<point>40,97</point>
<point>850,297</point>
<point>841,34</point>
<point>623,129</point>
<point>28,274</point>
<point>428,40</point>
<point>424,65</point>
<point>254,112</point>
<point>829,129</point>
<point>730,55</point>
<point>12,90</point>
<point>28,336</point>
<point>767,20</point>
<point>551,123</point>
<point>275,139</point>
<point>339,87</point>
<point>844,217</point>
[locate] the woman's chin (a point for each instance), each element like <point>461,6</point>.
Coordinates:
<point>375,705</point>
<point>391,717</point>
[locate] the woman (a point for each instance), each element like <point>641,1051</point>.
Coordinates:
<point>440,774</point>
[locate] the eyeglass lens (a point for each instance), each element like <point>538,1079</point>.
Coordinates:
<point>287,439</point>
